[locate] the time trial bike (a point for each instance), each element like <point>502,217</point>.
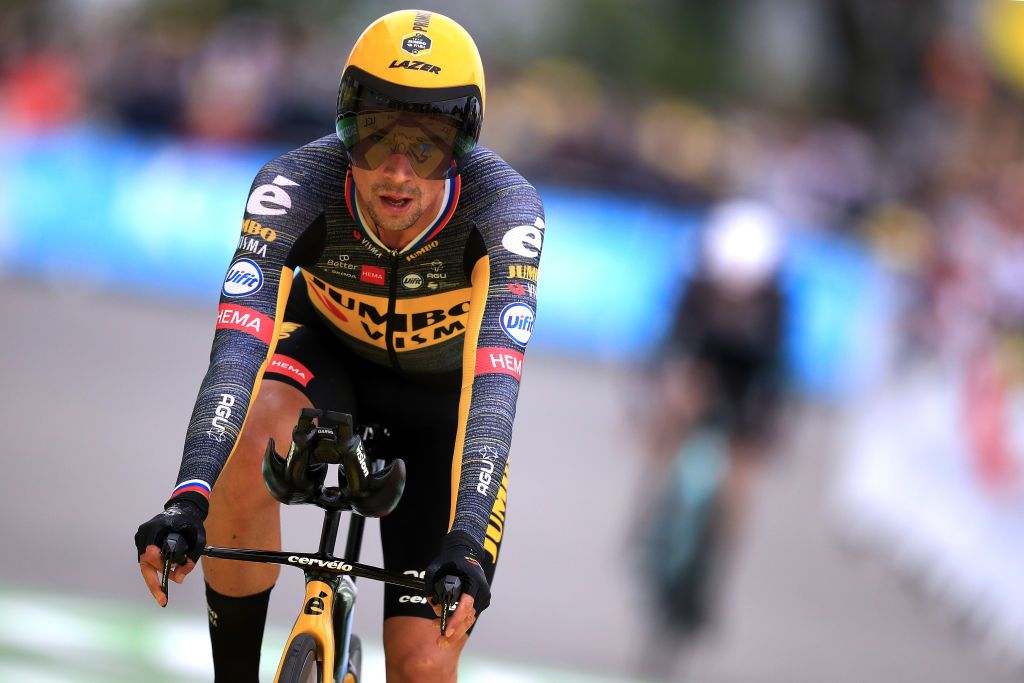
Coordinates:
<point>321,647</point>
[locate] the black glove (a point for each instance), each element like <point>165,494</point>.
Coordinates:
<point>182,516</point>
<point>459,557</point>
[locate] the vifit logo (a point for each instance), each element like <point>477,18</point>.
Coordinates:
<point>517,322</point>
<point>244,278</point>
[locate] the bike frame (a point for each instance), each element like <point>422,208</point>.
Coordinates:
<point>330,590</point>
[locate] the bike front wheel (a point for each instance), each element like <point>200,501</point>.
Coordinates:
<point>300,664</point>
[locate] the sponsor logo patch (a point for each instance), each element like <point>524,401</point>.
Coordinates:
<point>525,240</point>
<point>521,272</point>
<point>416,43</point>
<point>343,262</point>
<point>289,367</point>
<point>496,523</point>
<point>252,245</point>
<point>372,274</point>
<point>367,244</point>
<point>412,281</point>
<point>523,289</point>
<point>251,227</point>
<point>414,65</point>
<point>517,322</point>
<point>491,360</point>
<point>244,278</point>
<point>221,414</point>
<point>252,322</point>
<point>416,322</point>
<point>422,250</point>
<point>271,199</point>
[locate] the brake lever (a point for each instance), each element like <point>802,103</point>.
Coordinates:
<point>173,552</point>
<point>449,589</point>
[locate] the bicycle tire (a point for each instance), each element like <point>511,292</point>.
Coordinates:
<point>300,664</point>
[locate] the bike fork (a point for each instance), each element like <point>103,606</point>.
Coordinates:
<point>344,603</point>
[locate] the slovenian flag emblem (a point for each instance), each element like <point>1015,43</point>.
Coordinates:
<point>197,485</point>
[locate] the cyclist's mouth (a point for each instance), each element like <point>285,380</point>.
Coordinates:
<point>395,202</point>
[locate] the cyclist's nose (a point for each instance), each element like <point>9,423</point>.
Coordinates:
<point>397,166</point>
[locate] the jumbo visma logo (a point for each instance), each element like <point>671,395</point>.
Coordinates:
<point>413,323</point>
<point>244,278</point>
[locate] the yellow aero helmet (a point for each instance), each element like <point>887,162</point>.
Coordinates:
<point>413,84</point>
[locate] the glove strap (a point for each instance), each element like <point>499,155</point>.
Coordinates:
<point>197,500</point>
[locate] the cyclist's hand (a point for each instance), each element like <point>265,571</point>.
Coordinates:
<point>459,557</point>
<point>152,564</point>
<point>182,517</point>
<point>459,621</point>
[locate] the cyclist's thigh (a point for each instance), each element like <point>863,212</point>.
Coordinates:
<point>313,361</point>
<point>302,372</point>
<point>423,426</point>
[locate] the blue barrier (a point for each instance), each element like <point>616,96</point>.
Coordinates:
<point>161,217</point>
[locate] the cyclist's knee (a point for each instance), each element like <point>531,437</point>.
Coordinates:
<point>419,664</point>
<point>412,654</point>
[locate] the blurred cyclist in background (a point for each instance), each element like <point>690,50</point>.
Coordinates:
<point>717,384</point>
<point>417,253</point>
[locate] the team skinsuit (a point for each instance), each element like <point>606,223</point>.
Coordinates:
<point>427,341</point>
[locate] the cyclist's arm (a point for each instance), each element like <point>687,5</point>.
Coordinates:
<point>280,217</point>
<point>501,313</point>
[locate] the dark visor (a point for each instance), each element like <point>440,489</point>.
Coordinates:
<point>432,126</point>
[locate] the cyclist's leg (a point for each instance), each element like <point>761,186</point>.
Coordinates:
<point>423,424</point>
<point>305,370</point>
<point>242,512</point>
<point>412,655</point>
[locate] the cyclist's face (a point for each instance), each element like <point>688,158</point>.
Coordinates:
<point>395,198</point>
<point>427,140</point>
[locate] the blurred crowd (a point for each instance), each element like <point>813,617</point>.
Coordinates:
<point>901,128</point>
<point>898,127</point>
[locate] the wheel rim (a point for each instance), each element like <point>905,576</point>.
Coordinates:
<point>309,669</point>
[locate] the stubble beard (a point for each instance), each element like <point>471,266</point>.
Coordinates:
<point>400,224</point>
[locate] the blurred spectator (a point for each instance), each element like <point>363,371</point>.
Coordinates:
<point>41,90</point>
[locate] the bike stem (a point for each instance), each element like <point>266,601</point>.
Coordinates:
<point>329,534</point>
<point>355,538</point>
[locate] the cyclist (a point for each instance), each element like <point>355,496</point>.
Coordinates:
<point>412,304</point>
<point>719,381</point>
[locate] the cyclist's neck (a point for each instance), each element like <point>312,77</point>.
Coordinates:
<point>399,239</point>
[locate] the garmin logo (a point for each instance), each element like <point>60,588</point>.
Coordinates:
<point>414,65</point>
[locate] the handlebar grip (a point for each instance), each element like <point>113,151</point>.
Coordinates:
<point>447,591</point>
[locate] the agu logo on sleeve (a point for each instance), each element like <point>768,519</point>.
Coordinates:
<point>244,278</point>
<point>517,322</point>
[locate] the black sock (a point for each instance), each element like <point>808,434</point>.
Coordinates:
<point>236,634</point>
